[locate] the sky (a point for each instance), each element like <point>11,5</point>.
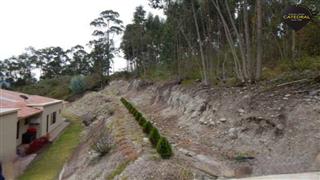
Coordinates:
<point>64,23</point>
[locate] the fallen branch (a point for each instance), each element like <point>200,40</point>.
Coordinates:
<point>293,82</point>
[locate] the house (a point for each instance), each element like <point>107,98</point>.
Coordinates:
<point>20,112</point>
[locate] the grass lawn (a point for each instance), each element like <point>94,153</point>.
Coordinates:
<point>50,162</point>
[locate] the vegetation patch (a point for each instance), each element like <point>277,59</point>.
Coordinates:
<point>103,144</point>
<point>154,136</point>
<point>120,168</point>
<point>147,127</point>
<point>164,148</point>
<point>160,143</point>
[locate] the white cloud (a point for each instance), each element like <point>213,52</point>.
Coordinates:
<point>65,23</point>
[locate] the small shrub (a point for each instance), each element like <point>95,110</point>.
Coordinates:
<point>142,120</point>
<point>136,115</point>
<point>77,84</point>
<point>154,136</point>
<point>147,127</point>
<point>103,144</point>
<point>164,148</point>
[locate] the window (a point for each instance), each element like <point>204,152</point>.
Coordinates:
<point>18,129</point>
<point>54,117</point>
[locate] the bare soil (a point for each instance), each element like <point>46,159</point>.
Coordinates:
<point>215,132</point>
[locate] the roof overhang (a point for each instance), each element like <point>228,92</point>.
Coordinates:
<point>45,104</point>
<point>6,111</point>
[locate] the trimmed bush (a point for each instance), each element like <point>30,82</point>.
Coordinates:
<point>138,115</point>
<point>164,148</point>
<point>154,136</point>
<point>160,143</point>
<point>142,120</point>
<point>147,127</point>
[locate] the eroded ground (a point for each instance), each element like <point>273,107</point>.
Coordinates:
<point>215,131</point>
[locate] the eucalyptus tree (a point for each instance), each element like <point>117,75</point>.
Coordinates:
<point>79,61</point>
<point>53,62</point>
<point>106,27</point>
<point>141,42</point>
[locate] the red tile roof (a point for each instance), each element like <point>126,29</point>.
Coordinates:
<point>11,99</point>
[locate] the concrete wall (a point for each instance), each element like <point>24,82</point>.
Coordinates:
<point>8,129</point>
<point>48,111</point>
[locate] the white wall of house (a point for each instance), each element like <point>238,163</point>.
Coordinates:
<point>8,130</point>
<point>48,116</point>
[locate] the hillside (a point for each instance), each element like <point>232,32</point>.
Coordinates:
<point>215,132</point>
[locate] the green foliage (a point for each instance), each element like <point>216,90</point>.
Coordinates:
<point>54,88</point>
<point>309,39</point>
<point>142,120</point>
<point>93,81</point>
<point>162,145</point>
<point>137,115</point>
<point>154,136</point>
<point>164,148</point>
<point>106,25</point>
<point>147,127</point>
<point>290,70</point>
<point>77,84</point>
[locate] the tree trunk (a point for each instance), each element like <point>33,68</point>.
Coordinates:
<point>238,70</point>
<point>204,69</point>
<point>293,46</point>
<point>259,40</point>
<point>241,43</point>
<point>248,41</point>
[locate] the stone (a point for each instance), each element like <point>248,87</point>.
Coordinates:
<point>211,124</point>
<point>241,111</point>
<point>187,153</point>
<point>244,171</point>
<point>145,140</point>
<point>222,119</point>
<point>232,133</point>
<point>280,126</point>
<point>314,93</point>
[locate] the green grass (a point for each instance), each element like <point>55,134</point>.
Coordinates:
<point>50,162</point>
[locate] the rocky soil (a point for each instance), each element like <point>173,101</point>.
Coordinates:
<point>216,132</point>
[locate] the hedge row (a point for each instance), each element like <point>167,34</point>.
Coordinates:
<point>159,142</point>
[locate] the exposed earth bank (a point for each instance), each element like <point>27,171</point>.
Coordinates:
<point>215,132</point>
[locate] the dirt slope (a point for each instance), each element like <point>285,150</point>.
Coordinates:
<point>215,131</point>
